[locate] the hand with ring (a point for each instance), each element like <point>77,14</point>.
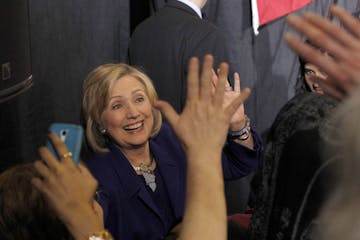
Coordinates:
<point>69,189</point>
<point>237,121</point>
<point>67,155</point>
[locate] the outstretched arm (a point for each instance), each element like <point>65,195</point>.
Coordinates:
<point>202,129</point>
<point>342,44</point>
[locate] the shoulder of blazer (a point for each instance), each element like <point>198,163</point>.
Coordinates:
<point>166,136</point>
<point>167,146</point>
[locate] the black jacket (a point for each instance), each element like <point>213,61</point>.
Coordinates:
<point>163,44</point>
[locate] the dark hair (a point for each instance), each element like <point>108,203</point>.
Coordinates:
<point>301,85</point>
<point>307,111</point>
<point>24,212</point>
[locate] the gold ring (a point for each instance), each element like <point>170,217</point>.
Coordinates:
<point>66,155</point>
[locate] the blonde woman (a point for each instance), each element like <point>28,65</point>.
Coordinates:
<point>140,164</point>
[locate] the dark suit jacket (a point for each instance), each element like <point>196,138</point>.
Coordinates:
<point>163,44</point>
<point>129,210</point>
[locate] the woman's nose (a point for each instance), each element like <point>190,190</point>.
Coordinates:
<point>132,111</point>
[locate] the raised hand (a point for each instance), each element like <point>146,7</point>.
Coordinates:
<point>205,116</point>
<point>237,121</point>
<point>342,44</point>
<point>202,128</point>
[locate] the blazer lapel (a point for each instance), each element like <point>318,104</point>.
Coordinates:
<point>130,181</point>
<point>170,173</point>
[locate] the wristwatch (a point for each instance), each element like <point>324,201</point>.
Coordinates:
<point>243,134</point>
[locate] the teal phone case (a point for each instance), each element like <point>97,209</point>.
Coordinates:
<point>71,135</point>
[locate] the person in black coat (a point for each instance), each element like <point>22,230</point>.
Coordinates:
<point>163,44</point>
<point>293,181</point>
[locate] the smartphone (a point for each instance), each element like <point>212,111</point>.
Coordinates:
<point>71,135</point>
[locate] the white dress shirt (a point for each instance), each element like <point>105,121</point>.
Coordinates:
<point>193,6</point>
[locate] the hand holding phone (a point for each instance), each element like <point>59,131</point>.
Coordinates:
<point>71,135</point>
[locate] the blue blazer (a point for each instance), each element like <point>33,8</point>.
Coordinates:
<point>129,210</point>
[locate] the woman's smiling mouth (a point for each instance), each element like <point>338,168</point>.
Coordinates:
<point>134,126</point>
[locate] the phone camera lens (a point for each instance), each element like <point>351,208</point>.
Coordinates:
<point>63,133</point>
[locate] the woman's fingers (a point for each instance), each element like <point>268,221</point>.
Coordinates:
<point>64,154</point>
<point>49,179</point>
<point>237,87</point>
<point>335,31</point>
<point>350,22</point>
<point>193,80</point>
<point>315,34</point>
<point>41,186</point>
<point>218,98</point>
<point>236,103</point>
<point>205,80</point>
<point>48,158</point>
<point>309,53</point>
<point>169,112</point>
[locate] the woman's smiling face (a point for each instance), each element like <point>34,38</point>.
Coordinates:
<point>128,117</point>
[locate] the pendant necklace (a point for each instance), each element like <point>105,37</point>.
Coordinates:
<point>147,173</point>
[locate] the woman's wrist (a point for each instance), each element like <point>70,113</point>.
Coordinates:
<point>237,126</point>
<point>241,134</point>
<point>100,235</point>
<point>204,160</point>
<point>83,222</point>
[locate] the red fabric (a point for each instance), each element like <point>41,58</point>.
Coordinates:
<point>269,10</point>
<point>242,219</point>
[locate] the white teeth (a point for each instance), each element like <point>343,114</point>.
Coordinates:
<point>133,126</point>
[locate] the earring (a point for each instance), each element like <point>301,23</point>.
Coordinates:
<point>103,130</point>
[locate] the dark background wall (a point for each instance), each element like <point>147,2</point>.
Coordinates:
<point>15,76</point>
<point>69,38</point>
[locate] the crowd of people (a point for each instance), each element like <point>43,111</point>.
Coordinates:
<point>155,178</point>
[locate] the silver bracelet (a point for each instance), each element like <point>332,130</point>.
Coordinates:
<point>242,134</point>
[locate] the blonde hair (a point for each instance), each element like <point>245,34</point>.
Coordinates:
<point>96,94</point>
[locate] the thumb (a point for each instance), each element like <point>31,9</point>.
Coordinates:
<point>235,104</point>
<point>168,111</point>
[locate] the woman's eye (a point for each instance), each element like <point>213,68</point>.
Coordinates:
<point>139,99</point>
<point>309,72</point>
<point>116,106</point>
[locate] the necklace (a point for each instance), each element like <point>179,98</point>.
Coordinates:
<point>145,168</point>
<point>147,173</point>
